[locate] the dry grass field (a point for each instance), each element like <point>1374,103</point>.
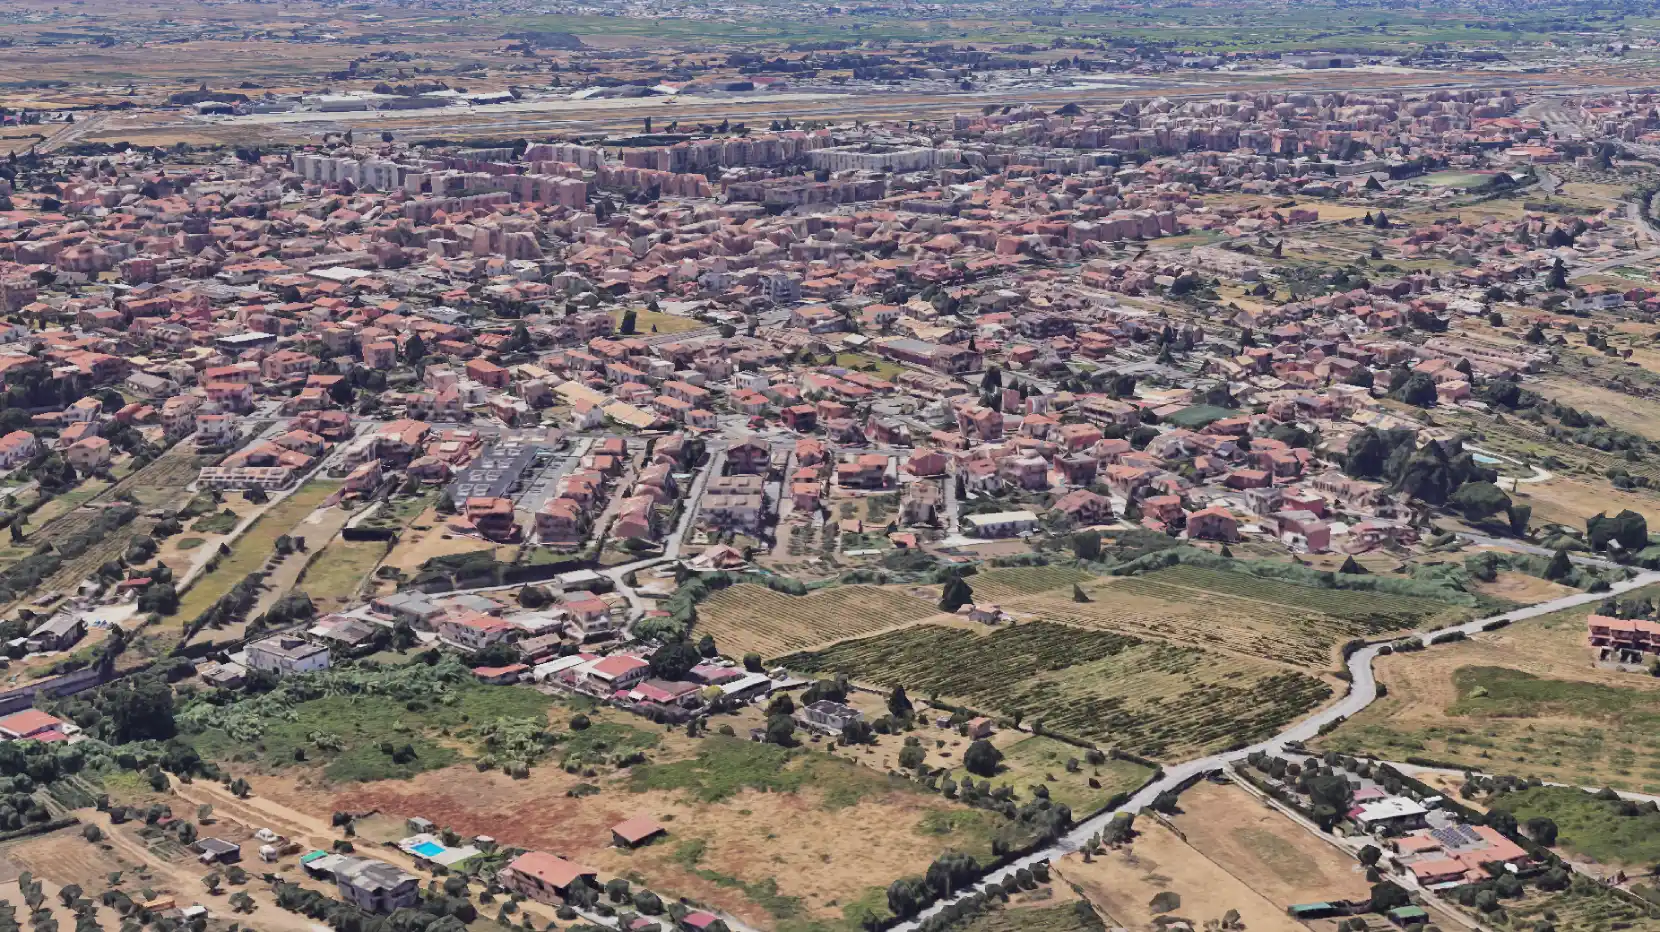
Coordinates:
<point>1625,411</point>
<point>426,538</point>
<point>1523,700</point>
<point>334,576</point>
<point>783,841</point>
<point>1122,883</point>
<point>1267,851</point>
<point>754,618</point>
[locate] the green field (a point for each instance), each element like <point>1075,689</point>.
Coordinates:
<point>220,522</point>
<point>1037,760</point>
<point>1456,179</point>
<point>1151,698</point>
<point>1612,832</point>
<point>344,717</point>
<point>871,365</point>
<point>253,547</point>
<point>333,577</point>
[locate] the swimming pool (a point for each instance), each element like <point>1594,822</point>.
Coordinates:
<point>1484,459</point>
<point>428,849</point>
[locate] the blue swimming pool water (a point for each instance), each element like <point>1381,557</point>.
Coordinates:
<point>427,849</point>
<point>1484,459</point>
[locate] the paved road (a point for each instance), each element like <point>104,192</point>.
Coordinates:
<point>1506,543</point>
<point>1362,692</point>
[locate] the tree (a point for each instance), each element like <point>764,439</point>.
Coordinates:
<point>1086,545</point>
<point>1560,567</point>
<point>648,903</point>
<point>957,593</point>
<point>1628,529</point>
<point>630,322</point>
<point>1078,594</point>
<point>992,380</point>
<point>1419,390</point>
<point>982,758</point>
<point>1479,501</point>
<point>414,349</point>
<point>1369,855</point>
<point>673,660</point>
<point>781,730</point>
<point>1558,278</point>
<point>1387,896</point>
<point>1351,568</point>
<point>912,756</point>
<point>752,662</point>
<point>899,704</point>
<point>857,731</point>
<point>1542,829</point>
<point>1518,517</point>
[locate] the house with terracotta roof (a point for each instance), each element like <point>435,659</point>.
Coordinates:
<point>34,724</point>
<point>544,877</point>
<point>637,831</point>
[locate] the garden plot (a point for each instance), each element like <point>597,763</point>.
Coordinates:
<point>1153,699</point>
<point>747,618</point>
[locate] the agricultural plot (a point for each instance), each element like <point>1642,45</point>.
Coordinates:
<point>1299,626</point>
<point>371,729</point>
<point>1586,906</point>
<point>1267,851</point>
<point>1153,699</point>
<point>1011,585</point>
<point>754,618</point>
<point>1523,700</point>
<point>1379,610</point>
<point>162,483</point>
<point>1076,916</point>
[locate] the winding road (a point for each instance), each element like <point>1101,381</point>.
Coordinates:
<point>1363,691</point>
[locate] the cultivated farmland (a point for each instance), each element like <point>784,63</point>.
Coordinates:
<point>1151,698</point>
<point>754,618</point>
<point>1585,907</point>
<point>1300,626</point>
<point>1011,585</point>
